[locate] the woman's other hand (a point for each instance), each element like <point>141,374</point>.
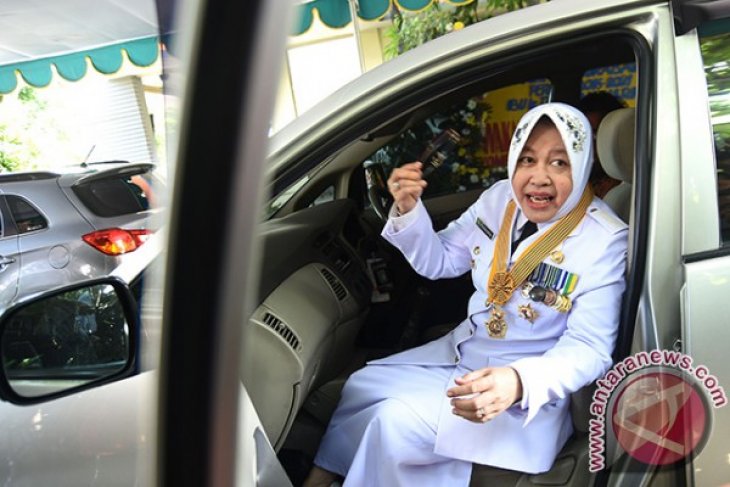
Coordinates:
<point>406,184</point>
<point>481,395</point>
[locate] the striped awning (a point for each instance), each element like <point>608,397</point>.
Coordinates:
<point>336,13</point>
<point>73,66</point>
<point>71,38</point>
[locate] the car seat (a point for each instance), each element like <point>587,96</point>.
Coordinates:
<point>615,146</point>
<point>570,468</point>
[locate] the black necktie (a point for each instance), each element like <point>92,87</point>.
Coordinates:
<point>528,229</point>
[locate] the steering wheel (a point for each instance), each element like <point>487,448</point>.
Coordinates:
<point>440,149</point>
<point>378,194</point>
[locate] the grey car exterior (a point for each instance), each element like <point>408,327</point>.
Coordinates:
<point>45,215</point>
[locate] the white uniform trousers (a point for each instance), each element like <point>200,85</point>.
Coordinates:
<point>384,430</point>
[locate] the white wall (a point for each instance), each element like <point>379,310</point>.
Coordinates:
<point>319,62</point>
<point>319,69</point>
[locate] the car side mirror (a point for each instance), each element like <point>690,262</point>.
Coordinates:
<point>67,340</point>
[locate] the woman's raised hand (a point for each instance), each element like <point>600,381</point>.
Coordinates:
<point>406,184</point>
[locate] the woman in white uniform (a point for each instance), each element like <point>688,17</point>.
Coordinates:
<point>541,323</point>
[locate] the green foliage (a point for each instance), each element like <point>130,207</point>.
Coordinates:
<point>715,54</point>
<point>409,31</point>
<point>716,58</point>
<point>9,147</point>
<point>17,150</point>
<point>27,94</point>
<point>508,5</point>
<point>412,30</point>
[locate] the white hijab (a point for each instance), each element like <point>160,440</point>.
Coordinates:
<point>575,130</point>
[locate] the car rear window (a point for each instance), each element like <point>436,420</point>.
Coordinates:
<point>117,195</point>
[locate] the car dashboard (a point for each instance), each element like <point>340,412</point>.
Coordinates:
<point>314,297</point>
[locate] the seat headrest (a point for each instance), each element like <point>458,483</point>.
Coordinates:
<point>615,144</point>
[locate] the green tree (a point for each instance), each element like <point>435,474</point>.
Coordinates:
<point>17,152</point>
<point>412,30</point>
<point>10,146</point>
<point>715,54</point>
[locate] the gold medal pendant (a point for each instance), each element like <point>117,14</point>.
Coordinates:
<point>496,325</point>
<point>501,287</point>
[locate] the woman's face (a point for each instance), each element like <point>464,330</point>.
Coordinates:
<point>542,180</point>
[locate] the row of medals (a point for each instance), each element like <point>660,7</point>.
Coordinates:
<point>497,325</point>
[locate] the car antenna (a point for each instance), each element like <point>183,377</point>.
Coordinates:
<point>85,162</point>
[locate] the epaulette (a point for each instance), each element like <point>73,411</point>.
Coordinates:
<point>607,219</point>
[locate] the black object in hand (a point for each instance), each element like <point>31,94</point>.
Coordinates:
<point>438,150</point>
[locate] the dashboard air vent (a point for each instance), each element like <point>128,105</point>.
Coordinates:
<point>283,330</point>
<point>334,283</point>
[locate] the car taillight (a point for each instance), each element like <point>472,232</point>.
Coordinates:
<point>116,241</point>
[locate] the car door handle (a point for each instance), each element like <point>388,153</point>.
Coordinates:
<point>6,261</point>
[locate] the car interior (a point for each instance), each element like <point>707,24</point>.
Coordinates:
<point>334,294</point>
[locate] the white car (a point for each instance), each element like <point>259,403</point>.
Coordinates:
<point>291,305</point>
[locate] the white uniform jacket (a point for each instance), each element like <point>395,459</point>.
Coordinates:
<point>555,355</point>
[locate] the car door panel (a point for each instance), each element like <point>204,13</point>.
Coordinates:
<point>97,438</point>
<point>706,334</point>
<point>9,256</point>
<point>52,259</point>
<point>706,263</point>
<point>54,253</point>
<point>257,462</point>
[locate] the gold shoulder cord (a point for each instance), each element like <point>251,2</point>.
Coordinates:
<point>502,282</point>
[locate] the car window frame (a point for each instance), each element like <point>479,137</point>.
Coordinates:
<point>222,107</point>
<point>40,212</point>
<point>646,60</point>
<point>8,224</point>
